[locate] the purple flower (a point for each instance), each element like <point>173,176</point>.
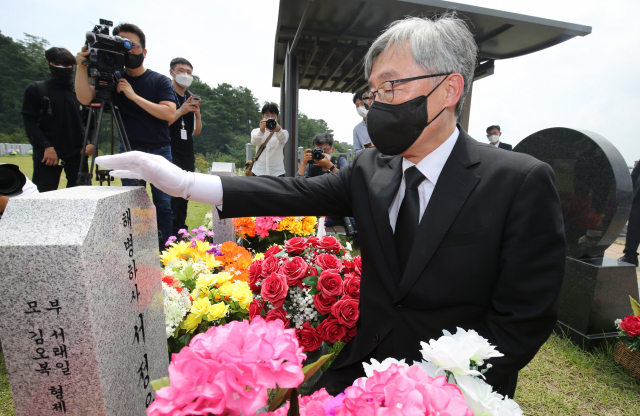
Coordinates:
<point>200,237</point>
<point>210,233</point>
<point>171,240</point>
<point>202,229</point>
<point>182,231</point>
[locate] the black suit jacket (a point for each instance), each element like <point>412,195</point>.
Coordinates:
<point>489,256</point>
<point>505,146</point>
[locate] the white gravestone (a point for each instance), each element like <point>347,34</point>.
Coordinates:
<point>223,228</point>
<point>81,310</point>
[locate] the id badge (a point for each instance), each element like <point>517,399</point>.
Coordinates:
<point>183,134</point>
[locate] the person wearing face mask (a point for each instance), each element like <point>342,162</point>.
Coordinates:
<point>271,160</point>
<point>186,124</point>
<point>53,120</point>
<point>493,135</point>
<point>360,133</point>
<point>147,105</point>
<point>452,232</point>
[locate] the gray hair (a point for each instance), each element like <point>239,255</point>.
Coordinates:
<point>443,44</point>
<point>322,138</point>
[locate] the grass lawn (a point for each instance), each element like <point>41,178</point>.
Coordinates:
<point>195,213</point>
<point>561,379</point>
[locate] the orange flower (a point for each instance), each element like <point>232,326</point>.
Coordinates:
<point>245,227</point>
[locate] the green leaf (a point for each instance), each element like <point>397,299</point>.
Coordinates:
<point>283,394</point>
<point>280,253</point>
<point>635,306</point>
<point>160,383</point>
<point>311,281</point>
<point>319,269</point>
<point>313,291</point>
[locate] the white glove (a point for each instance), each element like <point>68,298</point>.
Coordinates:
<point>152,168</point>
<point>165,176</point>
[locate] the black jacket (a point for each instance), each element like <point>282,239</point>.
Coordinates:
<point>505,146</point>
<point>491,252</point>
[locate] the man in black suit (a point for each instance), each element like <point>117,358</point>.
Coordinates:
<point>454,233</point>
<point>493,134</point>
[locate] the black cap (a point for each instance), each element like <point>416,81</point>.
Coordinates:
<point>11,180</point>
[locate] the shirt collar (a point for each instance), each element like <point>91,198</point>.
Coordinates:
<point>496,143</point>
<point>432,164</point>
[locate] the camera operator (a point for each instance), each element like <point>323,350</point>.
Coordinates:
<point>147,105</point>
<point>13,184</point>
<point>53,120</point>
<point>186,124</point>
<point>318,162</point>
<point>271,161</point>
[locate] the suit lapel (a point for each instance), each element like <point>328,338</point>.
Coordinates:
<point>383,188</point>
<point>452,190</point>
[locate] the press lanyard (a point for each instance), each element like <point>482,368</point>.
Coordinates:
<point>183,131</point>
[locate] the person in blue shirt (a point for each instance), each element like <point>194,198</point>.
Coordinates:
<point>361,138</point>
<point>147,105</point>
<point>329,165</point>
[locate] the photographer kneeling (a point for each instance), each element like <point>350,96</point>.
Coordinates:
<point>318,162</point>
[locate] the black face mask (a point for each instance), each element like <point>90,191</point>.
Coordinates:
<point>133,61</point>
<point>394,128</point>
<point>61,75</point>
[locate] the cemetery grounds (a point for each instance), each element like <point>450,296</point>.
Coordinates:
<point>561,380</point>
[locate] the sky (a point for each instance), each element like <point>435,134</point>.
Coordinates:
<point>586,83</point>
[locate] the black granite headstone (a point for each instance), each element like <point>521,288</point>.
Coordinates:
<point>595,190</point>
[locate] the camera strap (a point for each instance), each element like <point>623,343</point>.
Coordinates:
<point>262,147</point>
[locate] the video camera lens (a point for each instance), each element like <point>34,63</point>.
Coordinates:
<point>317,154</point>
<point>271,124</point>
<point>11,180</point>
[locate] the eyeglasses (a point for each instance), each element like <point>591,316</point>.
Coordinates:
<point>136,47</point>
<point>386,90</point>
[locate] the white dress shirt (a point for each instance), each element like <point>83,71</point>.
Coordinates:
<point>431,167</point>
<point>496,144</point>
<point>271,161</point>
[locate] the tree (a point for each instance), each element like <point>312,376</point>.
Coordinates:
<point>309,127</point>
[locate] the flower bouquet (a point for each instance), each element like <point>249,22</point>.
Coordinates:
<point>627,352</point>
<point>447,382</point>
<point>311,284</point>
<point>260,233</point>
<point>228,369</point>
<point>204,285</point>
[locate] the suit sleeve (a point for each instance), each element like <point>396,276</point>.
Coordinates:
<point>30,113</point>
<point>526,295</point>
<point>270,196</point>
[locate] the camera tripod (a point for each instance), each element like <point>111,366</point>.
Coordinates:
<point>105,105</point>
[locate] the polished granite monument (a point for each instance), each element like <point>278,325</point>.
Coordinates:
<point>223,228</point>
<point>81,310</point>
<point>595,190</point>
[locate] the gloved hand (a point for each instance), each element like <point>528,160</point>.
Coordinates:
<point>152,168</point>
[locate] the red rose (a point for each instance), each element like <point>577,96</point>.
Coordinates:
<point>255,270</point>
<point>351,333</point>
<point>272,250</point>
<point>322,303</point>
<point>329,244</point>
<point>312,271</point>
<point>255,308</point>
<point>348,266</point>
<point>314,241</point>
<point>329,262</point>
<point>631,325</point>
<point>255,283</point>
<point>357,265</point>
<point>296,245</point>
<point>351,285</point>
<point>295,269</point>
<point>277,313</point>
<point>330,283</point>
<point>346,311</point>
<point>330,330</point>
<point>308,337</point>
<point>275,289</point>
<point>270,265</point>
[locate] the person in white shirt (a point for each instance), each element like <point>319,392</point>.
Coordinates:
<point>271,161</point>
<point>493,135</point>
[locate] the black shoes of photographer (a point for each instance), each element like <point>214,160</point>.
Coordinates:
<point>629,259</point>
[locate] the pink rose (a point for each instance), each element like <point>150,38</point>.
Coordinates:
<point>631,325</point>
<point>346,311</point>
<point>277,313</point>
<point>329,244</point>
<point>295,270</point>
<point>308,337</point>
<point>329,262</point>
<point>322,303</point>
<point>330,330</point>
<point>351,285</point>
<point>330,283</point>
<point>272,250</point>
<point>296,245</point>
<point>270,265</point>
<point>275,289</point>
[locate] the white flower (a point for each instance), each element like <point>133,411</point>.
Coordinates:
<point>430,368</point>
<point>481,398</point>
<point>176,306</point>
<point>509,408</point>
<point>484,350</point>
<point>450,355</point>
<point>379,367</point>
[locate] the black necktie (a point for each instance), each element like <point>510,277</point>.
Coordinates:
<point>408,216</point>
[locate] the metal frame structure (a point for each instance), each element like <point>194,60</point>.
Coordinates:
<point>320,45</point>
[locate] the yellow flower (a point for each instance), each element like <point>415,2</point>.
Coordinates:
<point>200,292</point>
<point>221,278</point>
<point>259,256</point>
<point>226,289</point>
<point>242,293</point>
<point>217,311</point>
<point>205,280</point>
<point>200,307</point>
<point>191,322</point>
